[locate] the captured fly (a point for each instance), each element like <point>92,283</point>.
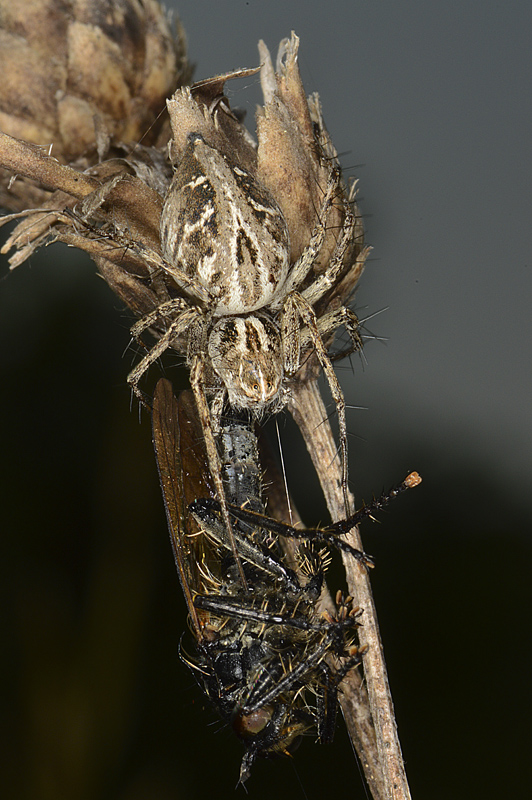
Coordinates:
<point>268,662</point>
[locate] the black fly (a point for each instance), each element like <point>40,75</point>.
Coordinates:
<point>265,658</point>
<point>262,655</point>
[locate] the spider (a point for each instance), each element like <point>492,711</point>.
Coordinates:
<point>246,319</point>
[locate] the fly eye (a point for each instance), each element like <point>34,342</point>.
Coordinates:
<point>247,725</point>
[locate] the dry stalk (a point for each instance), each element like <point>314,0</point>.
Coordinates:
<point>375,735</point>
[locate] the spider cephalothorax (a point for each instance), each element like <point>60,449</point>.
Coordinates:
<point>246,354</point>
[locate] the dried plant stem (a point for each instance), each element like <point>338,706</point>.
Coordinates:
<point>33,162</point>
<point>353,696</point>
<point>384,769</point>
<point>133,203</point>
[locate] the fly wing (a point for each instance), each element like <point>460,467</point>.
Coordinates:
<point>184,476</point>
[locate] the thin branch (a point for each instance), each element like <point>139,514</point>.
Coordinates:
<point>135,206</point>
<point>31,161</point>
<point>384,769</point>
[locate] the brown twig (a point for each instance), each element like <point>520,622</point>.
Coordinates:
<point>33,162</point>
<point>380,750</point>
<point>130,200</point>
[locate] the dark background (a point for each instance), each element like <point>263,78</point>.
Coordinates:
<point>430,106</point>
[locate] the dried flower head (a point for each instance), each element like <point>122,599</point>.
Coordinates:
<point>78,77</point>
<point>122,197</point>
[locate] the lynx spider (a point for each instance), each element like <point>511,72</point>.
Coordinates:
<point>248,314</point>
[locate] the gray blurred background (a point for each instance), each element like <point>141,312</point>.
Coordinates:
<point>430,107</point>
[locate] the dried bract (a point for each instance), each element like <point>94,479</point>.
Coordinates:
<point>83,84</point>
<point>78,75</point>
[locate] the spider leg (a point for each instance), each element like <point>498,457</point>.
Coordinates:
<point>217,404</point>
<point>175,329</point>
<point>326,279</point>
<point>166,309</point>
<point>304,263</point>
<point>189,285</point>
<point>329,323</point>
<point>297,307</point>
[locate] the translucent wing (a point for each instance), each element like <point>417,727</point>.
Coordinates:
<point>184,476</point>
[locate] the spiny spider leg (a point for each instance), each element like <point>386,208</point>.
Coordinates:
<point>175,329</point>
<point>303,265</point>
<point>297,306</point>
<point>342,317</point>
<point>326,279</point>
<point>160,265</point>
<point>166,309</point>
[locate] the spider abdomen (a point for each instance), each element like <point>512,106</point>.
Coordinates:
<point>222,228</point>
